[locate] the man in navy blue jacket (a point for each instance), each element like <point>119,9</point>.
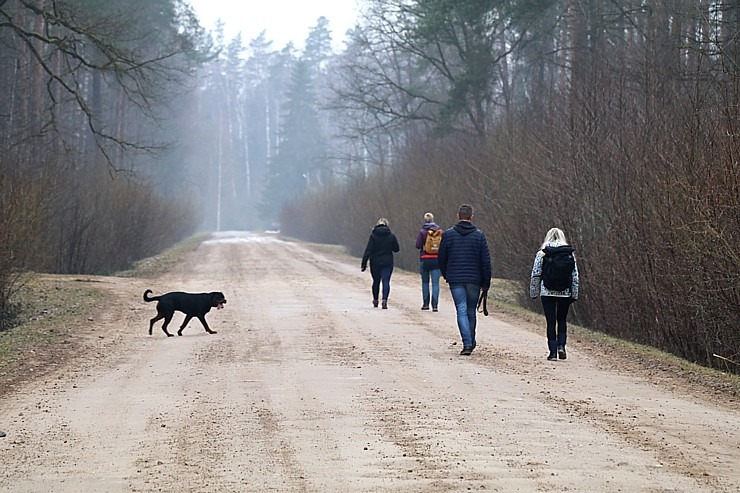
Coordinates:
<point>465,262</point>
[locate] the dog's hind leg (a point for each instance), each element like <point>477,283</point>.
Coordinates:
<point>205,324</point>
<point>184,324</point>
<point>167,319</point>
<point>152,321</point>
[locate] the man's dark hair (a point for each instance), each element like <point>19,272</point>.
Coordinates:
<point>465,212</point>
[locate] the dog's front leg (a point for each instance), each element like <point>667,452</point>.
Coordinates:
<point>205,324</point>
<point>184,324</point>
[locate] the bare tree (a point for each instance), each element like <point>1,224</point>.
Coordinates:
<point>620,125</point>
<point>71,51</point>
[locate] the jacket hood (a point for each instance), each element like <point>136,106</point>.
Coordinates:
<point>554,248</point>
<point>465,227</point>
<point>558,246</point>
<point>381,230</point>
<point>431,225</point>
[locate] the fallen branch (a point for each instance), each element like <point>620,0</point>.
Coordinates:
<point>726,359</point>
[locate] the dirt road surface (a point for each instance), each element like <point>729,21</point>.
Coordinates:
<point>308,388</point>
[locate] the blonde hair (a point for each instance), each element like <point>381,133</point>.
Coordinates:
<point>429,217</point>
<point>382,221</point>
<point>554,236</point>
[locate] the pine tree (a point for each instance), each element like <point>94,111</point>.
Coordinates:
<point>301,147</point>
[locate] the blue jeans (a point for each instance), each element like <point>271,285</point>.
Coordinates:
<point>380,275</point>
<point>429,268</point>
<point>465,295</point>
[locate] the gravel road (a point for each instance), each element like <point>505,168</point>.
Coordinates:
<point>308,388</point>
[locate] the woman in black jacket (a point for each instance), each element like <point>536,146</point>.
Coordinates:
<point>379,251</point>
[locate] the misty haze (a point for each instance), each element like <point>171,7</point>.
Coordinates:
<point>144,148</point>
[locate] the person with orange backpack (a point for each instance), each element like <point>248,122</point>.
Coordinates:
<point>427,242</point>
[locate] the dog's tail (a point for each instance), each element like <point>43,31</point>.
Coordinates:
<point>148,298</point>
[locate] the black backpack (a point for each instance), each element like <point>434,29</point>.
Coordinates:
<point>557,267</point>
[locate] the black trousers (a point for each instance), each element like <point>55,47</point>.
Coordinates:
<point>556,313</point>
<point>381,274</point>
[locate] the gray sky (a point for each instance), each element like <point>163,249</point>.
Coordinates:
<point>283,20</point>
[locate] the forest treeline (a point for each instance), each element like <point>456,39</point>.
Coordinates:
<point>616,121</point>
<point>87,86</point>
<point>126,127</point>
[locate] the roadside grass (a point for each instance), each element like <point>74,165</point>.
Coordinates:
<point>619,354</point>
<point>52,305</point>
<point>157,265</point>
<point>48,305</point>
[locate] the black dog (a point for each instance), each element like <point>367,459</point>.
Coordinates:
<point>192,305</point>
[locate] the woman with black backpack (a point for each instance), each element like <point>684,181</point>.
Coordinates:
<point>555,278</point>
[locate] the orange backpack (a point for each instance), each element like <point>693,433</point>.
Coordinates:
<point>434,238</point>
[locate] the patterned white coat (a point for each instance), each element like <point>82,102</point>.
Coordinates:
<point>537,288</point>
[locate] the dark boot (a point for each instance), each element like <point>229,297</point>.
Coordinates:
<point>561,352</point>
<point>553,347</point>
<point>561,346</point>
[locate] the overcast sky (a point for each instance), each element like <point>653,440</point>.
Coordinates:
<point>283,20</point>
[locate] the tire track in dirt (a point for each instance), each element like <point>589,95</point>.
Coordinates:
<point>234,447</point>
<point>626,418</point>
<point>507,362</point>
